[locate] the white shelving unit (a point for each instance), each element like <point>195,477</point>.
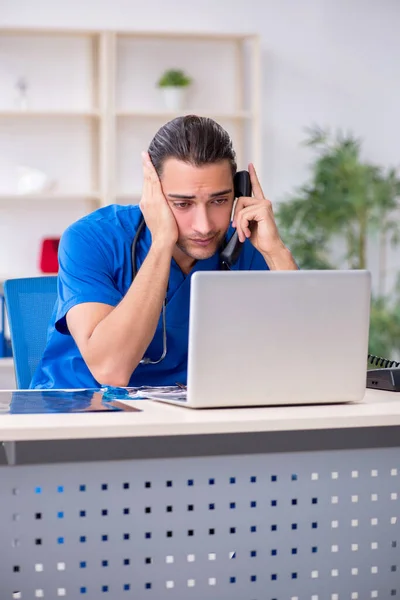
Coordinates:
<point>226,80</point>
<point>93,105</point>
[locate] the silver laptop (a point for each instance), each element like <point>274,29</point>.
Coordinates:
<point>261,338</point>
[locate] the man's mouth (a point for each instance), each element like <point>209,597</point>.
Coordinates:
<point>203,242</point>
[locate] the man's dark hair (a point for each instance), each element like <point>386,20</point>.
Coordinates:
<point>195,140</point>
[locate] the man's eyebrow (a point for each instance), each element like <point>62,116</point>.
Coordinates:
<point>187,197</point>
<point>223,193</point>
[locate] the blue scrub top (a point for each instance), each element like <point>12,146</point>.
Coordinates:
<point>95,265</point>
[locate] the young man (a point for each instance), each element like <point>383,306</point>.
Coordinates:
<point>104,322</point>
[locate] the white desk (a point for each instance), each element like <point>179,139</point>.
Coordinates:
<point>249,504</point>
<point>379,409</point>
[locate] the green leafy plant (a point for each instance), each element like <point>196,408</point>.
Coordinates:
<point>174,78</point>
<point>347,203</point>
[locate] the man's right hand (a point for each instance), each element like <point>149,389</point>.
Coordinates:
<point>154,206</point>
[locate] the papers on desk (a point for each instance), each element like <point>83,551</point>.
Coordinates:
<point>58,401</point>
<point>103,399</point>
<point>172,392</point>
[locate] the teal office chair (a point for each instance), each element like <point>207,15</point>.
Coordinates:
<point>29,303</point>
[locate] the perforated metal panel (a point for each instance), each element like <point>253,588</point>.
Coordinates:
<point>298,526</point>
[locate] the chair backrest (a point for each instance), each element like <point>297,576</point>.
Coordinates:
<point>29,302</point>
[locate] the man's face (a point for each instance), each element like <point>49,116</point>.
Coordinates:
<point>201,199</point>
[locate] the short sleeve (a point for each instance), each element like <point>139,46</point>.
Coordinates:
<point>85,273</point>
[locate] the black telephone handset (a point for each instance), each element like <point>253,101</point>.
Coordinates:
<point>231,252</point>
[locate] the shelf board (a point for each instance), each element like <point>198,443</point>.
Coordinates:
<point>50,31</point>
<point>162,114</point>
<point>93,114</point>
<point>129,196</point>
<point>158,34</point>
<point>48,196</point>
<point>6,363</point>
<point>187,35</point>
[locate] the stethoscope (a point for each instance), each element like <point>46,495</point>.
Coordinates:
<point>145,360</point>
<point>228,256</point>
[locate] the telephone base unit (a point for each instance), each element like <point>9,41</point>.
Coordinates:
<point>384,379</point>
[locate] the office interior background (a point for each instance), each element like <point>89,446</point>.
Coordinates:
<point>79,100</point>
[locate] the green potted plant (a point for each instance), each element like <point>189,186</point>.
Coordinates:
<point>174,83</point>
<point>350,204</point>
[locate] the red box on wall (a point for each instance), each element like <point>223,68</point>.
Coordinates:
<point>49,255</point>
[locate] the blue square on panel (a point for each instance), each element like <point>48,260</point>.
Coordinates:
<point>104,563</point>
<point>274,478</point>
<point>274,552</point>
<point>82,488</point>
<point>60,515</point>
<point>253,528</point>
<point>232,580</point>
<point>253,504</point>
<point>211,506</point>
<point>83,590</point>
<point>294,550</point>
<point>314,525</point>
<point>274,502</point>
<point>104,538</point>
<point>274,527</point>
<point>294,477</point>
<point>294,575</point>
<point>294,525</point>
<point>190,482</point>
<point>82,539</point>
<point>147,535</point>
<point>82,513</point>
<point>314,549</point>
<point>148,586</point>
<point>82,564</point>
<point>60,540</point>
<point>274,576</point>
<point>127,587</point>
<point>211,481</point>
<point>253,553</point>
<point>232,480</point>
<point>253,578</point>
<point>232,505</point>
<point>60,489</point>
<point>104,588</point>
<point>38,490</point>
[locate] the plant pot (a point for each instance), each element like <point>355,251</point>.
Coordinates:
<point>174,97</point>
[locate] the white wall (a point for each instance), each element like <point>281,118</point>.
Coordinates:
<point>333,62</point>
<point>330,62</point>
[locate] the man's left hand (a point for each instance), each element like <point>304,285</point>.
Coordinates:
<point>254,219</point>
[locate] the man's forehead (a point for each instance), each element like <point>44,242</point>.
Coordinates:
<point>173,167</point>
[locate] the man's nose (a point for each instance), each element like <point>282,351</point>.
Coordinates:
<point>201,222</point>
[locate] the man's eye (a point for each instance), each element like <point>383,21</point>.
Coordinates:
<point>181,204</point>
<point>220,201</point>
